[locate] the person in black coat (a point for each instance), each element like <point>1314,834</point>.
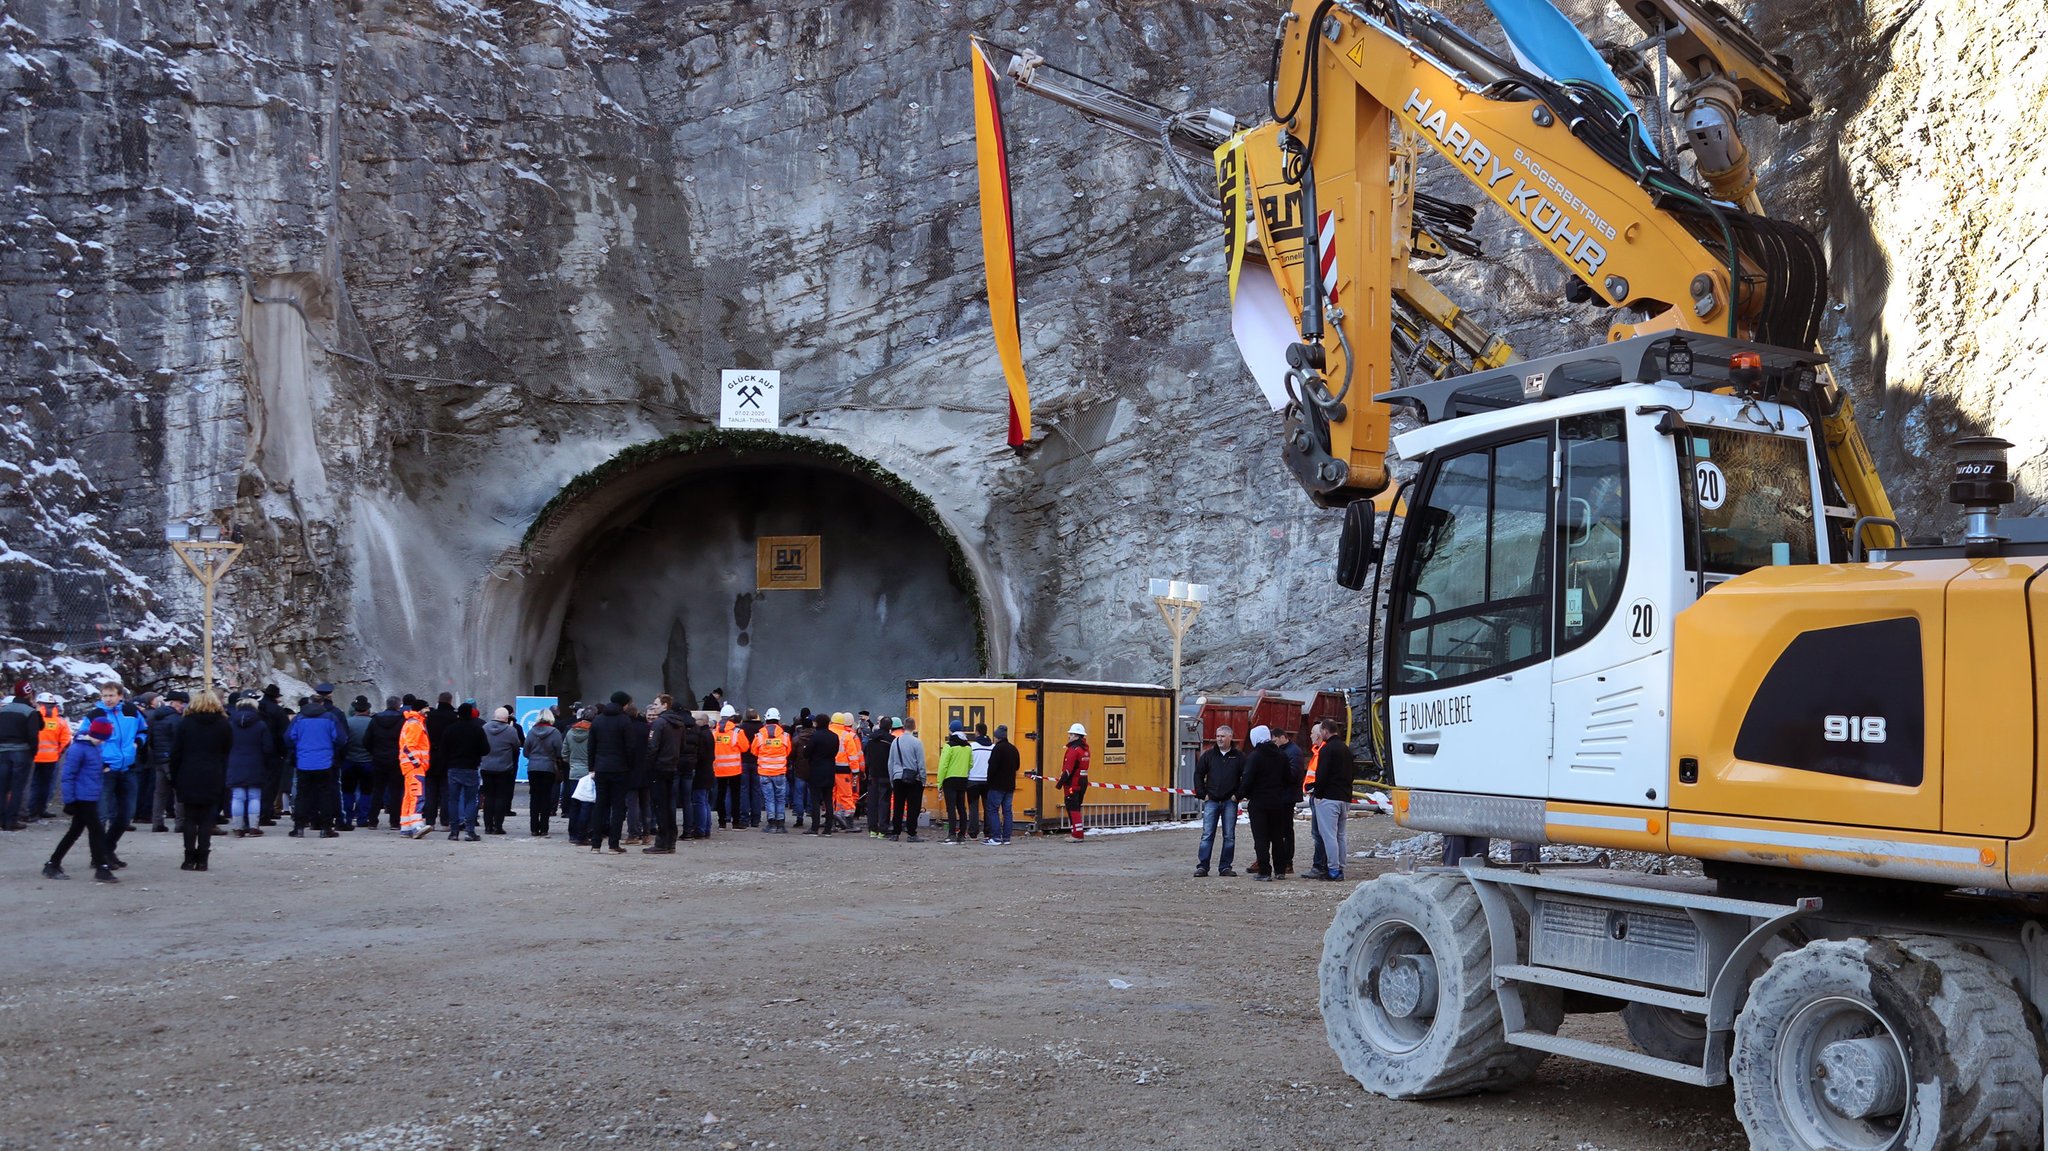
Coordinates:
<point>686,770</point>
<point>250,754</point>
<point>611,760</point>
<point>463,747</point>
<point>639,775</point>
<point>675,736</point>
<point>198,773</point>
<point>1004,762</point>
<point>823,750</point>
<point>434,789</point>
<point>875,752</point>
<point>1270,793</point>
<point>1219,784</point>
<point>1331,797</point>
<point>387,784</point>
<point>703,780</point>
<point>277,772</point>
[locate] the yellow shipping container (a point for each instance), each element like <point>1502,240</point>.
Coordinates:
<point>1129,728</point>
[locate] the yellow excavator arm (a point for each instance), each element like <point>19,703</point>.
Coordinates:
<point>1361,91</point>
<point>1562,160</point>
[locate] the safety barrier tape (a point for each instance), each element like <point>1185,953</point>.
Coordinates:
<point>1373,801</point>
<point>1093,784</point>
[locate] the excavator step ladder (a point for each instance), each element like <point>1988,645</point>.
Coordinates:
<point>1661,941</point>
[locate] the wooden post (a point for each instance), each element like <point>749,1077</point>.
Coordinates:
<point>214,558</point>
<point>1179,615</point>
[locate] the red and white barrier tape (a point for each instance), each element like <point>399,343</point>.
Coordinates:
<point>1374,801</point>
<point>1092,785</point>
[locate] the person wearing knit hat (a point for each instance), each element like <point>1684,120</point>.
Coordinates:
<point>611,760</point>
<point>20,731</point>
<point>1004,762</point>
<point>387,783</point>
<point>358,775</point>
<point>1270,793</point>
<point>956,762</point>
<point>83,771</point>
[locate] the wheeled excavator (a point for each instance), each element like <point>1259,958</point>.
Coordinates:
<point>1647,596</point>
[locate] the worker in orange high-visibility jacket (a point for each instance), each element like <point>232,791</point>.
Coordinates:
<point>771,746</point>
<point>50,745</point>
<point>413,759</point>
<point>848,767</point>
<point>728,744</point>
<point>1320,864</point>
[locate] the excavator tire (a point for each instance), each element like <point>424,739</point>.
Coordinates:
<point>1908,1044</point>
<point>1666,1034</point>
<point>1410,1035</point>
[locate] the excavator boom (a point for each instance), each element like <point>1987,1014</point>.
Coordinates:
<point>1562,160</point>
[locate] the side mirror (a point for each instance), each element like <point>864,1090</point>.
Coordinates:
<point>1354,546</point>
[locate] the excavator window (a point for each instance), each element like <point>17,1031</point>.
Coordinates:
<point>1477,598</point>
<point>1592,526</point>
<point>1752,500</point>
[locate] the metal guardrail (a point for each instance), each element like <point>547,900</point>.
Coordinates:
<point>1115,814</point>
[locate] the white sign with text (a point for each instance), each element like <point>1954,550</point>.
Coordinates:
<point>750,398</point>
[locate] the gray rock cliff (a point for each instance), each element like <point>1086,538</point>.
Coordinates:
<point>374,280</point>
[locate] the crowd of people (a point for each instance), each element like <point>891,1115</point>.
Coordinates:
<point>622,776</point>
<point>1270,780</point>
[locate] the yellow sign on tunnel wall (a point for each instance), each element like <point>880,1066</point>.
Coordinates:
<point>787,563</point>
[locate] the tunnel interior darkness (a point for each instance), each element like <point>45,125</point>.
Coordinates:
<point>665,596</point>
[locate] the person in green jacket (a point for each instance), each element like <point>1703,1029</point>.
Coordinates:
<point>576,749</point>
<point>956,762</point>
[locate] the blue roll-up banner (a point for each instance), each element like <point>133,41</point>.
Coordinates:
<point>1546,41</point>
<point>526,709</point>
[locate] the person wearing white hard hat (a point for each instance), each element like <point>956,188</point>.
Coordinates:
<point>1074,777</point>
<point>729,744</point>
<point>55,737</point>
<point>771,747</point>
<point>752,802</point>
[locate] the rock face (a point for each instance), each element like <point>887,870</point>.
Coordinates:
<point>375,280</point>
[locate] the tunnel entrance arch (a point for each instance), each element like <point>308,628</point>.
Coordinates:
<point>640,575</point>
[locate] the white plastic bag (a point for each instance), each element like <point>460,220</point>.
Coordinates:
<point>586,790</point>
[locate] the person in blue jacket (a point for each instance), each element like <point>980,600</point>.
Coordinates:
<point>316,739</point>
<point>122,751</point>
<point>83,770</point>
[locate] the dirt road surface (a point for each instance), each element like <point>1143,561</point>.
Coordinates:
<point>751,991</point>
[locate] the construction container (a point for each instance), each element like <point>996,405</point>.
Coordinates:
<point>1129,735</point>
<point>1331,706</point>
<point>1234,712</point>
<point>1279,712</point>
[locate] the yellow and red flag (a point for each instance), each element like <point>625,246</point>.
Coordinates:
<point>999,240</point>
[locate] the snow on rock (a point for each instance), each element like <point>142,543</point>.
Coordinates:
<point>261,270</point>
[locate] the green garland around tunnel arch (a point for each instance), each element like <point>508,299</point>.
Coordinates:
<point>741,443</point>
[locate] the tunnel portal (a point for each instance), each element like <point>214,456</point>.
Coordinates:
<point>669,593</point>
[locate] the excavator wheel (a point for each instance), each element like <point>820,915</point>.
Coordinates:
<point>1911,1044</point>
<point>1407,994</point>
<point>1666,1034</point>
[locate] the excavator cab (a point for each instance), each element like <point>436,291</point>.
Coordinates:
<point>1566,510</point>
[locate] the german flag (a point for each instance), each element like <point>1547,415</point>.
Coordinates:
<point>999,240</point>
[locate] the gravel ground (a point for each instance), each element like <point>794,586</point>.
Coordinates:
<point>751,991</point>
